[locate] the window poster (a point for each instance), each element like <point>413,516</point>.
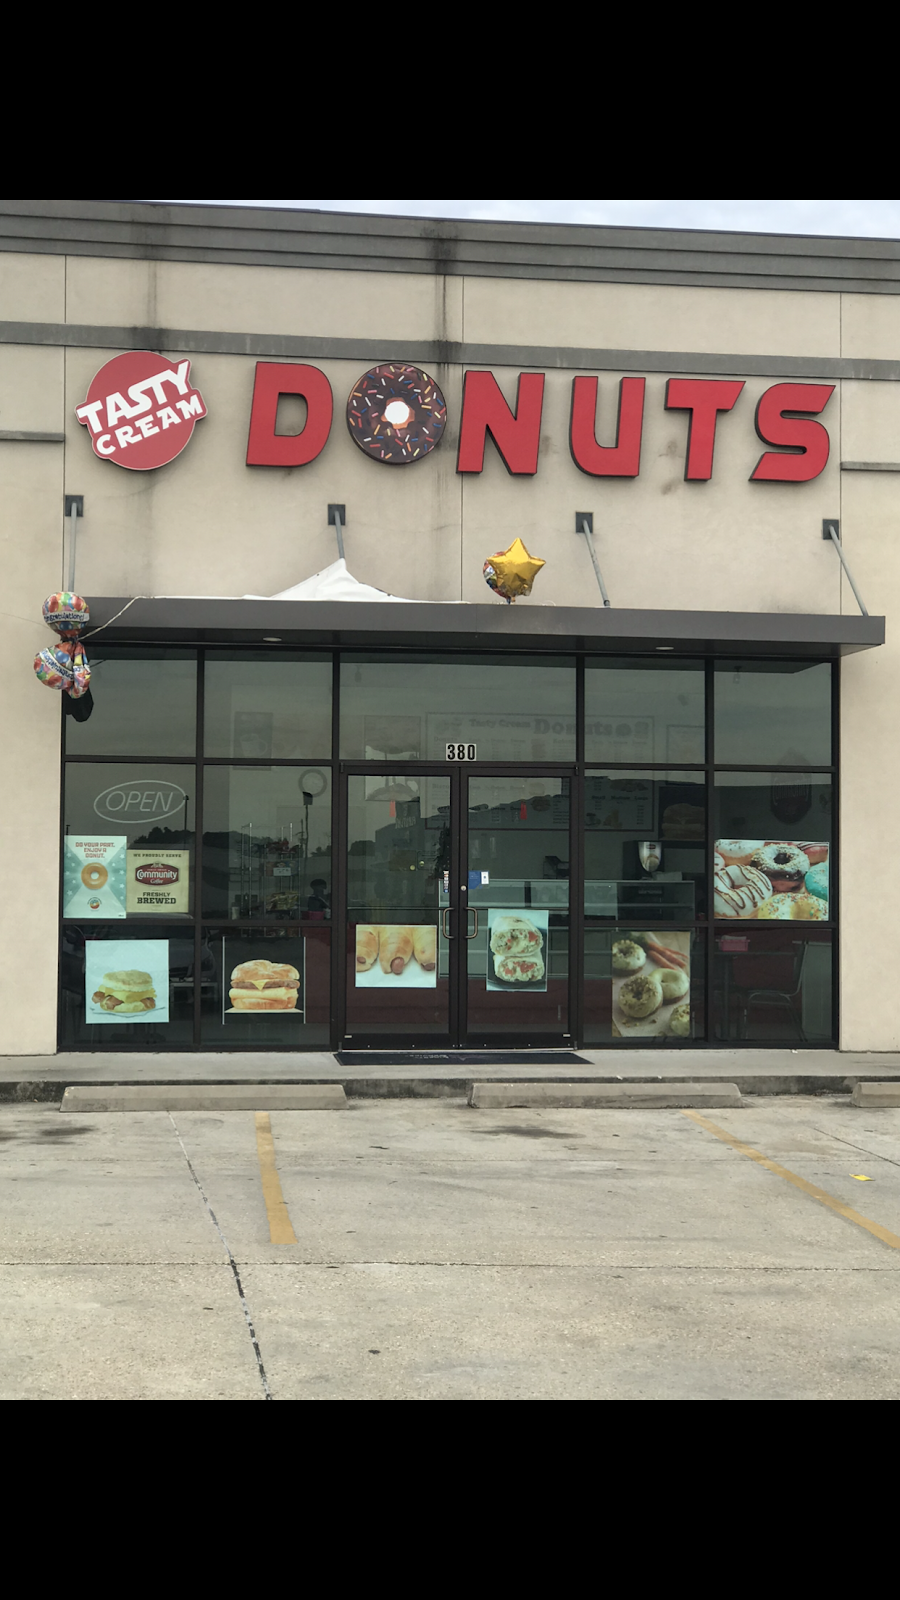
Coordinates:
<point>126,980</point>
<point>158,880</point>
<point>94,877</point>
<point>651,985</point>
<point>517,949</point>
<point>771,880</point>
<point>259,986</point>
<point>396,956</point>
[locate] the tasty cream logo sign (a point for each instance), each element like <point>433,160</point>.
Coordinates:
<point>141,410</point>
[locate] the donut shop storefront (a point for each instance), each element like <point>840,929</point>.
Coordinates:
<point>461,829</point>
<point>330,790</point>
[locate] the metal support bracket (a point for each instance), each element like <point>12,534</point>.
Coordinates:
<point>73,508</point>
<point>337,519</point>
<point>831,531</point>
<point>584,523</point>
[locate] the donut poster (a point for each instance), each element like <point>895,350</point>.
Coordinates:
<point>94,877</point>
<point>771,880</point>
<point>517,950</point>
<point>651,986</point>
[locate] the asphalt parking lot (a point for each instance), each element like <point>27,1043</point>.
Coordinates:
<point>409,1249</point>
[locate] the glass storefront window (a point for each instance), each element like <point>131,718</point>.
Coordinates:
<point>645,845</point>
<point>643,988</point>
<point>267,843</point>
<point>126,987</point>
<point>143,705</point>
<point>773,846</point>
<point>773,713</point>
<point>129,839</point>
<point>411,707</point>
<point>772,985</point>
<point>644,711</point>
<point>265,988</point>
<point>263,707</point>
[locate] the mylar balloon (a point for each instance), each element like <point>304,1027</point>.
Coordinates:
<point>512,572</point>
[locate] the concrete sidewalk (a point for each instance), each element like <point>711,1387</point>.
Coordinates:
<point>754,1071</point>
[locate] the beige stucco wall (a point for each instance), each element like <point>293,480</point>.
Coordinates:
<point>208,524</point>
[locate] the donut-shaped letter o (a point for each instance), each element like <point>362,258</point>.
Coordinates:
<point>265,447</point>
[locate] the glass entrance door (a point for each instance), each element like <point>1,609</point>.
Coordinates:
<point>457,908</point>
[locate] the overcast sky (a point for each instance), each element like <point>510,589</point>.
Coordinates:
<point>857,218</point>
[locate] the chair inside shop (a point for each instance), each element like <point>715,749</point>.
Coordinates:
<point>770,979</point>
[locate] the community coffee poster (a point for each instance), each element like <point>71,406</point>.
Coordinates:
<point>396,956</point>
<point>158,880</point>
<point>517,949</point>
<point>126,980</point>
<point>771,881</point>
<point>94,877</point>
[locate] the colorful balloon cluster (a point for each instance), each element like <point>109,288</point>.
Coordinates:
<point>64,666</point>
<point>511,573</point>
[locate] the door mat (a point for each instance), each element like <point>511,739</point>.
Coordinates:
<point>458,1058</point>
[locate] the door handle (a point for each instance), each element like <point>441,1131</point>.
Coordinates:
<point>474,911</point>
<point>444,915</point>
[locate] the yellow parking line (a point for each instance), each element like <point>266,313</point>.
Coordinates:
<point>822,1195</point>
<point>280,1229</point>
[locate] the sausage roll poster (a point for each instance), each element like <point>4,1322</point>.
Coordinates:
<point>771,880</point>
<point>126,980</point>
<point>395,955</point>
<point>517,949</point>
<point>94,879</point>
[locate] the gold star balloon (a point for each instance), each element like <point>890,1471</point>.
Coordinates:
<point>511,573</point>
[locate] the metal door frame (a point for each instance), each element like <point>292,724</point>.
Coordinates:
<point>459,774</point>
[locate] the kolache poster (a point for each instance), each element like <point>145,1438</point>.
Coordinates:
<point>94,877</point>
<point>517,949</point>
<point>158,881</point>
<point>396,956</point>
<point>771,880</point>
<point>651,985</point>
<point>126,980</point>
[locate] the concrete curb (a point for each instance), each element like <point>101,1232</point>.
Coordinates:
<point>872,1095</point>
<point>49,1091</point>
<point>205,1097</point>
<point>603,1096</point>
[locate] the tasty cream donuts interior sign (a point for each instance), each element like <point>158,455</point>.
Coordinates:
<point>141,410</point>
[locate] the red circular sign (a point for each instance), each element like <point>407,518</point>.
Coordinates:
<point>141,409</point>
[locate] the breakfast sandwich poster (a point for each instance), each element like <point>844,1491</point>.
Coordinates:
<point>94,877</point>
<point>126,980</point>
<point>256,984</point>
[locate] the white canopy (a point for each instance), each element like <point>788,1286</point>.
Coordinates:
<point>332,583</point>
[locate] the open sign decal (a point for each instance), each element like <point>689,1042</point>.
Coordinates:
<point>147,801</point>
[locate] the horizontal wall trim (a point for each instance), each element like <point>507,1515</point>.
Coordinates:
<point>452,247</point>
<point>435,353</point>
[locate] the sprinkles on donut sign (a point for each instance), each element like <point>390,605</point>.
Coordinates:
<point>396,414</point>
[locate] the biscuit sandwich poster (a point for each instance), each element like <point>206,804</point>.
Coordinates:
<point>126,980</point>
<point>94,877</point>
<point>517,949</point>
<point>396,956</point>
